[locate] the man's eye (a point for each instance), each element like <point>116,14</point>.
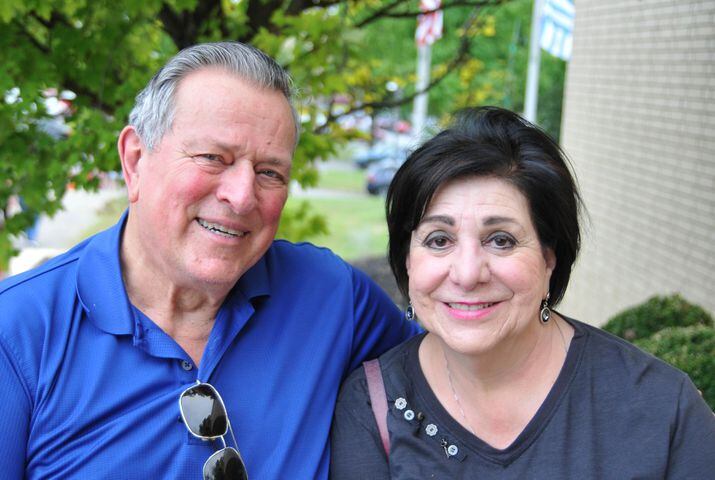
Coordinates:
<point>272,175</point>
<point>502,241</point>
<point>208,157</point>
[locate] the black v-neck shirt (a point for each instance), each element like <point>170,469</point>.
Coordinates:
<point>613,412</point>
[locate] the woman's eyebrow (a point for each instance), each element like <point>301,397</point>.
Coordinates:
<point>438,219</point>
<point>490,221</point>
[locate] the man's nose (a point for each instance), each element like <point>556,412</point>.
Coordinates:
<point>237,187</point>
<point>469,266</point>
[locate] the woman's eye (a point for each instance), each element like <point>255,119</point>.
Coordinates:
<point>502,241</point>
<point>438,241</point>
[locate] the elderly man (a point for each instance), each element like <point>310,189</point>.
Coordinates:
<point>115,356</point>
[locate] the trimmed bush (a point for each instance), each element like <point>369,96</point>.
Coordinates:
<point>655,314</point>
<point>692,350</point>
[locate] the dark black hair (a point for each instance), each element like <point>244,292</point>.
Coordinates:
<point>490,142</point>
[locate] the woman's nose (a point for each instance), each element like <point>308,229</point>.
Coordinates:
<point>469,267</point>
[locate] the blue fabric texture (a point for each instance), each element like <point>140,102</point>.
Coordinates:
<point>91,385</point>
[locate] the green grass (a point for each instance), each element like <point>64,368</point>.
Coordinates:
<point>356,225</point>
<point>345,180</point>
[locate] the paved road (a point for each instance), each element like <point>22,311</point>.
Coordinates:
<point>66,228</point>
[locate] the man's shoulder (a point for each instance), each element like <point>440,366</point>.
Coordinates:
<point>303,249</point>
<point>52,273</point>
<point>285,254</point>
<point>35,293</point>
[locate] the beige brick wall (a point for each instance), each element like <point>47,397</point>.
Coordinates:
<point>639,126</point>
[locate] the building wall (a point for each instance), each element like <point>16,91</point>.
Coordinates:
<point>639,126</point>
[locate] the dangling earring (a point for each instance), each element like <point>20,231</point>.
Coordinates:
<point>545,314</point>
<point>410,312</point>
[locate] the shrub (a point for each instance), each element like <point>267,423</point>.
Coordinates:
<point>655,314</point>
<point>691,349</point>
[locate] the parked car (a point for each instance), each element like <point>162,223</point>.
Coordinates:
<point>378,153</point>
<point>380,174</point>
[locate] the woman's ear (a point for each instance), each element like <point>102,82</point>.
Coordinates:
<point>550,261</point>
<point>550,258</point>
<point>130,149</point>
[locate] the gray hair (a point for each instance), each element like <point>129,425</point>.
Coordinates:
<point>153,112</point>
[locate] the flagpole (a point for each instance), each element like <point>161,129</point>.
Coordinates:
<point>532,80</point>
<point>419,108</point>
<point>429,29</point>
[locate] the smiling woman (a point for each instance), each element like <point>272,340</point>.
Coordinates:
<point>476,268</point>
<point>484,231</point>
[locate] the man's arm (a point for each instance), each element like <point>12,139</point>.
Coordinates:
<point>15,415</point>
<point>378,324</point>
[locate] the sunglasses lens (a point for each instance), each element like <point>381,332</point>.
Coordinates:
<point>225,464</point>
<point>204,412</point>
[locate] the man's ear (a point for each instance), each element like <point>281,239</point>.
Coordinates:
<point>130,149</point>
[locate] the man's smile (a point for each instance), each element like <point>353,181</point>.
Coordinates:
<point>220,229</point>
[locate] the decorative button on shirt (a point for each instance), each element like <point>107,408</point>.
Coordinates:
<point>431,429</point>
<point>409,414</point>
<point>400,403</point>
<point>452,450</point>
<point>186,365</point>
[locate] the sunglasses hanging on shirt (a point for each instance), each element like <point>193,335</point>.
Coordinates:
<point>205,416</point>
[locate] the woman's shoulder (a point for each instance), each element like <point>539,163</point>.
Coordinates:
<point>619,362</point>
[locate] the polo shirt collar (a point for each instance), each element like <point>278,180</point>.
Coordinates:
<point>256,281</point>
<point>101,290</point>
<point>100,286</point>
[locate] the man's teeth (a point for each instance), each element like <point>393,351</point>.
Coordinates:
<point>220,229</point>
<point>469,308</point>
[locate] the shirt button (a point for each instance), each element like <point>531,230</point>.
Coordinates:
<point>409,415</point>
<point>431,429</point>
<point>186,365</point>
<point>400,403</point>
<point>452,450</point>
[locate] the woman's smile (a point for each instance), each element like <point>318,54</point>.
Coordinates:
<point>471,311</point>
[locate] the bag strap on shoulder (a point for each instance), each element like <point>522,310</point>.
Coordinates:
<point>378,399</point>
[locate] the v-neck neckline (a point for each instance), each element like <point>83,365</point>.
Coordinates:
<point>533,429</point>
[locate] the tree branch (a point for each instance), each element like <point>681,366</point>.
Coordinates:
<point>33,40</point>
<point>380,13</point>
<point>386,13</point>
<point>259,14</point>
<point>184,27</point>
<point>460,56</point>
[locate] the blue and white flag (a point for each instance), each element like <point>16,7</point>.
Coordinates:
<point>557,27</point>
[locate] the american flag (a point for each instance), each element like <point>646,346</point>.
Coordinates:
<point>429,25</point>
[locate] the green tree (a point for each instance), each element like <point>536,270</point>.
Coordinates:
<point>494,68</point>
<point>106,51</point>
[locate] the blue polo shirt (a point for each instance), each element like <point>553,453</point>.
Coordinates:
<point>91,385</point>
